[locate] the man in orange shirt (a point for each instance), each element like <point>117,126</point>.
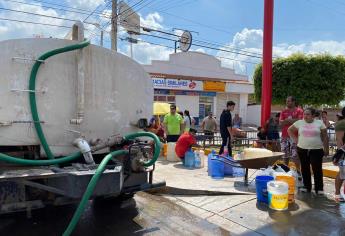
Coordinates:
<point>185,141</point>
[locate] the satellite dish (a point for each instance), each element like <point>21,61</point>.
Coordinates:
<point>185,41</point>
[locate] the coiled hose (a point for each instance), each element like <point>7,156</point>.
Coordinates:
<point>52,161</point>
<point>91,186</point>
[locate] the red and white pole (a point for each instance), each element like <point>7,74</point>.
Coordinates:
<point>266,89</point>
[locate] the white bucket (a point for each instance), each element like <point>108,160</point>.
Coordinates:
<point>171,154</point>
<point>278,195</point>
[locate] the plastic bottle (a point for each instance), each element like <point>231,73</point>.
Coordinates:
<point>202,158</point>
<point>212,154</point>
<point>189,161</point>
<point>197,159</point>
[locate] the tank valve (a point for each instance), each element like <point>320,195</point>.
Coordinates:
<point>85,149</point>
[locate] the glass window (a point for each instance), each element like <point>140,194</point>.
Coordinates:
<point>171,98</point>
<point>206,99</point>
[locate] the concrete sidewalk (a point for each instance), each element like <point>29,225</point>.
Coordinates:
<point>233,206</point>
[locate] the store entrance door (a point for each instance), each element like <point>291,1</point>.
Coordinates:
<point>204,109</point>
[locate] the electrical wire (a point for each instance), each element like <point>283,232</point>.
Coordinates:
<point>157,44</point>
<point>35,23</point>
<point>42,15</point>
<point>68,7</point>
<point>55,8</point>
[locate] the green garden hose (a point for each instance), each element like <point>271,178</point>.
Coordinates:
<point>32,87</point>
<point>157,145</point>
<point>20,161</point>
<point>92,184</point>
<point>89,190</point>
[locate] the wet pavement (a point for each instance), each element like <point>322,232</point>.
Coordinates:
<point>240,214</point>
<point>145,214</point>
<point>193,205</point>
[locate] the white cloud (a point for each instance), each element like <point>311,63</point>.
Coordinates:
<point>144,52</point>
<point>12,29</point>
<point>248,38</point>
<point>85,4</point>
<point>249,41</point>
<point>199,50</point>
<point>152,20</point>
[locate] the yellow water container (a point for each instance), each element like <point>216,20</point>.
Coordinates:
<point>165,150</point>
<point>278,192</point>
<point>290,180</point>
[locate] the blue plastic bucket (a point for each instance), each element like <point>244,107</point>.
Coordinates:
<point>217,168</point>
<point>261,187</point>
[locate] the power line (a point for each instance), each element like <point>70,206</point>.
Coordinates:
<point>55,8</point>
<point>177,4</point>
<point>35,23</point>
<point>65,6</point>
<point>42,15</point>
<point>226,58</point>
<point>245,53</point>
<point>204,46</point>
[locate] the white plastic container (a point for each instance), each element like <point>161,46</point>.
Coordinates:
<point>278,195</point>
<point>202,158</point>
<point>171,154</point>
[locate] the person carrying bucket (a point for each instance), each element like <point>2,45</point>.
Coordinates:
<point>312,145</point>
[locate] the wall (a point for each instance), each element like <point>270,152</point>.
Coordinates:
<point>195,64</point>
<point>190,103</point>
<point>254,115</point>
<point>222,99</point>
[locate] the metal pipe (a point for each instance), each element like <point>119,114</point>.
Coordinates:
<point>80,89</point>
<point>85,150</point>
<point>44,187</point>
<point>266,92</point>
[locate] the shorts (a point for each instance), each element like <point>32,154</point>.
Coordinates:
<point>290,149</point>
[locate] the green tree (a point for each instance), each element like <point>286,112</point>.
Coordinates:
<point>313,80</point>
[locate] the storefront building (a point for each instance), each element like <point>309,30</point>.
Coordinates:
<point>197,82</point>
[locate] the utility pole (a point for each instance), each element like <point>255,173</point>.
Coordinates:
<point>114,25</point>
<point>266,91</point>
<point>101,38</point>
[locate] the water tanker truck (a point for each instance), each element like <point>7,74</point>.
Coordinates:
<point>70,121</point>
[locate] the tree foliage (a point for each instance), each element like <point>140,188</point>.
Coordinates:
<point>313,80</point>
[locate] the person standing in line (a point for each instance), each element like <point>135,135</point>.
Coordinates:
<point>340,137</point>
<point>272,129</point>
<point>287,117</point>
<point>209,126</point>
<point>312,145</point>
<point>188,121</point>
<point>226,127</point>
<point>237,121</point>
<point>325,119</point>
<point>173,124</point>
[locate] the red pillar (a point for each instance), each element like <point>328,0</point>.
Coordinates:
<point>266,90</point>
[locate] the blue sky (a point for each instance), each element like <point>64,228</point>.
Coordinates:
<point>309,26</point>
